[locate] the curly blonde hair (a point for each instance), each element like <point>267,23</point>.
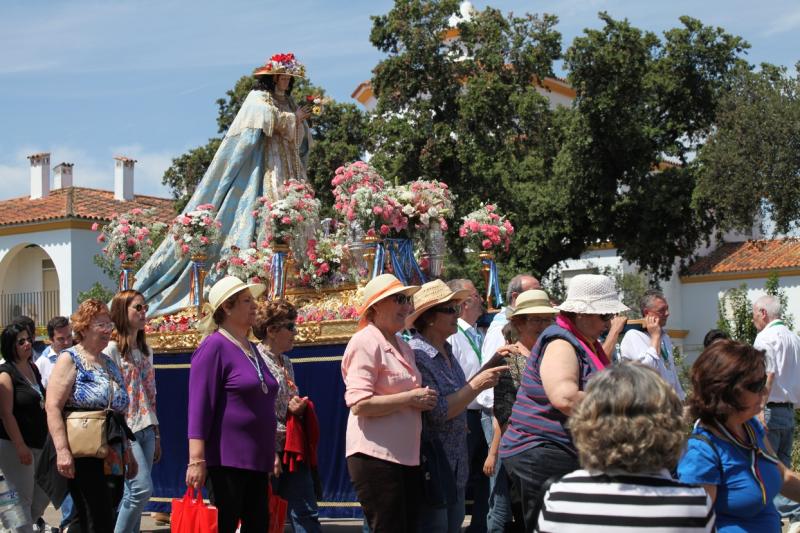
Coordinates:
<point>630,419</point>
<point>83,316</point>
<point>272,313</point>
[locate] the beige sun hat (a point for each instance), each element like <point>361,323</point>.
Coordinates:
<point>434,293</point>
<point>592,294</point>
<point>533,302</point>
<point>379,288</point>
<point>221,291</point>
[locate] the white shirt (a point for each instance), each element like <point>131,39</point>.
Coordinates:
<point>491,342</point>
<point>635,346</point>
<point>45,364</point>
<point>464,352</point>
<point>782,351</point>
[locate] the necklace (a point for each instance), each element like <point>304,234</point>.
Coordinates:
<point>249,355</point>
<point>34,386</point>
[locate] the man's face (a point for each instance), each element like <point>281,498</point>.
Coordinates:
<point>472,307</point>
<point>62,339</point>
<point>760,319</point>
<point>659,308</point>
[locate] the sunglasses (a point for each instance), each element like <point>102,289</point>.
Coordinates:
<point>450,309</point>
<point>140,307</point>
<point>606,316</point>
<point>403,299</point>
<point>103,325</point>
<point>23,341</point>
<point>291,326</point>
<point>539,320</point>
<point>757,386</point>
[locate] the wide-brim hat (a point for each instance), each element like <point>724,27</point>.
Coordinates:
<point>221,291</point>
<point>432,294</point>
<point>281,64</point>
<point>592,294</point>
<point>533,302</point>
<point>379,288</point>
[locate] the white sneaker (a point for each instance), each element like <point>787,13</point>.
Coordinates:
<point>794,527</point>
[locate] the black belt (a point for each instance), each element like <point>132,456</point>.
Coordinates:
<point>780,404</point>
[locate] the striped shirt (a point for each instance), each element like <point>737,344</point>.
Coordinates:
<point>605,503</point>
<point>534,420</point>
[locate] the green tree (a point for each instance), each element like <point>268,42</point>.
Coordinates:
<point>736,315</point>
<point>750,166</point>
<point>469,112</point>
<point>98,291</point>
<point>339,136</point>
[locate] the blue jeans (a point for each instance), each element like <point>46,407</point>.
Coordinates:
<point>499,499</point>
<point>780,432</point>
<point>442,520</point>
<point>297,488</point>
<point>137,490</point>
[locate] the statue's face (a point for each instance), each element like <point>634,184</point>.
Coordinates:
<point>282,82</point>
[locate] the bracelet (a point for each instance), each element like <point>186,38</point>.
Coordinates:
<point>198,462</point>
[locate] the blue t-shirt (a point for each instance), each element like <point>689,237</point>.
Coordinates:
<point>739,504</point>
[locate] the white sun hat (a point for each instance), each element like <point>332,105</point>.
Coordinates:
<point>592,294</point>
<point>221,291</point>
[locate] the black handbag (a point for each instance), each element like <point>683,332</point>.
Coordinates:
<point>438,481</point>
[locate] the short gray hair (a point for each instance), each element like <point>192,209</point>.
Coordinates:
<point>770,304</point>
<point>649,298</point>
<point>460,284</point>
<point>515,285</point>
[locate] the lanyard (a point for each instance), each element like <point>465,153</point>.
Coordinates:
<point>754,451</point>
<point>776,323</point>
<point>250,357</point>
<point>664,353</point>
<point>471,343</point>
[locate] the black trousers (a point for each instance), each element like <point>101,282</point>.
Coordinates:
<point>239,494</point>
<point>531,468</point>
<point>95,495</point>
<point>388,493</point>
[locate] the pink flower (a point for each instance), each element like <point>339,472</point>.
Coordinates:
<point>95,226</point>
<point>204,239</point>
<point>185,248</point>
<point>125,229</point>
<point>371,232</point>
<point>122,257</point>
<point>131,241</point>
<point>137,255</point>
<point>286,220</point>
<point>185,220</point>
<point>136,211</point>
<point>101,238</point>
<point>462,232</point>
<point>384,229</point>
<point>486,244</point>
<point>377,210</point>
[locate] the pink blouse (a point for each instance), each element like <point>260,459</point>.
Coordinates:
<point>371,366</point>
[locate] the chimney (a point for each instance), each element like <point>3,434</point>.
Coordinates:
<point>123,178</point>
<point>63,176</point>
<point>40,175</point>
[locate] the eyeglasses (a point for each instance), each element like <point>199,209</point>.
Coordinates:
<point>450,309</point>
<point>103,325</point>
<point>539,319</point>
<point>403,299</point>
<point>291,326</point>
<point>140,307</point>
<point>757,386</point>
<point>23,341</point>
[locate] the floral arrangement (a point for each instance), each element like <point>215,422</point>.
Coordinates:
<point>486,229</point>
<point>281,64</point>
<point>325,313</point>
<point>196,230</point>
<point>250,265</point>
<point>179,322</point>
<point>128,237</point>
<point>351,177</point>
<point>316,103</point>
<point>425,203</point>
<point>326,261</point>
<point>292,215</point>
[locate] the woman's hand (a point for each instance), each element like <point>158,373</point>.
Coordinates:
<point>196,474</point>
<point>488,378</point>
<point>423,399</point>
<point>65,464</point>
<point>297,405</point>
<point>131,466</point>
<point>302,114</point>
<point>508,350</point>
<point>24,454</point>
<point>277,468</point>
<point>489,464</point>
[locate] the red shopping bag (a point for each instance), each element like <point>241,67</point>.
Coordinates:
<point>277,511</point>
<point>190,514</point>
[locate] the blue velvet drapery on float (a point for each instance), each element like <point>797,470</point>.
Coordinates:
<point>318,375</point>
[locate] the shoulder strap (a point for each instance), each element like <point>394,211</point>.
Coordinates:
<point>710,443</point>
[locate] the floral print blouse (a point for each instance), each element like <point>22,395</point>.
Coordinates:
<point>140,384</point>
<point>284,375</point>
<point>94,385</point>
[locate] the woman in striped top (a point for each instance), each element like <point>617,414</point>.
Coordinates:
<point>536,444</point>
<point>629,435</point>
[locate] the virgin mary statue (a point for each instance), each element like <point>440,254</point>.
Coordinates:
<point>264,147</point>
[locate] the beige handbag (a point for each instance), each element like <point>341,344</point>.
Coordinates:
<point>86,433</point>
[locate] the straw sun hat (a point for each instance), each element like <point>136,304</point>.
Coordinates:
<point>379,288</point>
<point>432,294</point>
<point>592,294</point>
<point>221,291</point>
<point>533,302</point>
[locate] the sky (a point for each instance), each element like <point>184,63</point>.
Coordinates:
<point>87,80</point>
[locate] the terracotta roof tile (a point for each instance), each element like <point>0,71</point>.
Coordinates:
<point>78,202</point>
<point>768,254</point>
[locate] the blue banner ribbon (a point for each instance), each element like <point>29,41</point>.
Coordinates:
<point>380,259</point>
<point>401,254</point>
<point>278,273</point>
<point>197,289</point>
<point>125,279</point>
<point>494,282</point>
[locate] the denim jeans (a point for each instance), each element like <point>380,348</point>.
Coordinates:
<point>137,490</point>
<point>442,520</point>
<point>780,432</point>
<point>499,498</point>
<point>297,488</point>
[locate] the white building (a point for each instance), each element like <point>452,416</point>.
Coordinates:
<point>46,240</point>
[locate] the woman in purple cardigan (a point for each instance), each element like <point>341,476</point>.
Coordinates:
<point>232,411</point>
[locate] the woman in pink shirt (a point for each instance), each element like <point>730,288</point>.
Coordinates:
<point>384,393</point>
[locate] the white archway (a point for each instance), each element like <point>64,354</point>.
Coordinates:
<point>29,284</point>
